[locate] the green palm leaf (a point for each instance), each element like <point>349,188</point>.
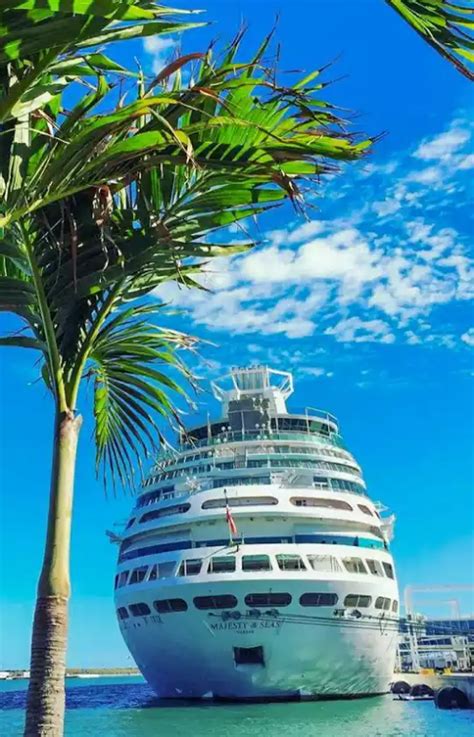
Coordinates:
<point>44,45</point>
<point>131,389</point>
<point>446,26</point>
<point>100,208</point>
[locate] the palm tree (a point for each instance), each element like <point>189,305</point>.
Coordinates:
<point>99,209</point>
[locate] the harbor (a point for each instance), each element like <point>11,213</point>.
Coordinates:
<point>128,708</point>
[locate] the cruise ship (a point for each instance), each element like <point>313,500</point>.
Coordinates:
<point>254,564</point>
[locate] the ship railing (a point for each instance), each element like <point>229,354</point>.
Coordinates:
<point>313,413</point>
<point>252,435</point>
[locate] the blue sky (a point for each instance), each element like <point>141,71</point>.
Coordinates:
<point>367,303</point>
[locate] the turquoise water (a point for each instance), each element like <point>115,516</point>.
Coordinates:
<point>126,707</point>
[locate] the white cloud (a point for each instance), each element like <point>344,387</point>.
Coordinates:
<point>297,234</point>
<point>323,275</point>
<point>369,169</point>
<point>468,337</point>
<point>466,162</point>
<point>317,371</point>
<point>442,147</point>
<point>161,48</point>
<point>386,207</point>
<point>431,175</point>
<point>356,330</point>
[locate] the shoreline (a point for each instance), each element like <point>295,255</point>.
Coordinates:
<point>18,674</point>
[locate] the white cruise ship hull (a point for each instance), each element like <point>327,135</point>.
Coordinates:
<point>313,654</point>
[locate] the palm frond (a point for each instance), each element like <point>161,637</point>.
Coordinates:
<point>132,362</point>
<point>446,26</point>
<point>100,208</point>
<point>46,46</point>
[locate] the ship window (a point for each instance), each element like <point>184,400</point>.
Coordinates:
<point>223,601</point>
<point>388,568</point>
<point>347,486</point>
<point>245,501</point>
<point>365,509</point>
<point>249,655</point>
<point>122,613</point>
<point>163,606</point>
<point>116,581</point>
<point>165,512</point>
<point>139,610</point>
<point>290,563</point>
<point>222,564</point>
<point>190,567</point>
<point>153,573</point>
<point>138,574</point>
<point>315,599</point>
<point>130,523</point>
<point>321,482</point>
<point>375,567</point>
<point>382,602</point>
<point>240,481</point>
<point>354,565</point>
<point>357,600</point>
<point>268,599</point>
<point>123,578</point>
<point>166,569</point>
<point>300,501</point>
<point>394,606</point>
<point>256,563</point>
<point>324,563</point>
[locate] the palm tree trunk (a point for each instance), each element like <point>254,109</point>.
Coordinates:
<point>46,694</point>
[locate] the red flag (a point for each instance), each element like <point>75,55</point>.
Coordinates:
<point>230,522</point>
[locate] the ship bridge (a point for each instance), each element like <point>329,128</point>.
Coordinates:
<point>253,403</point>
<point>258,387</point>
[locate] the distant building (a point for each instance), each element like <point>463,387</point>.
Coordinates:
<point>462,626</point>
<point>440,643</point>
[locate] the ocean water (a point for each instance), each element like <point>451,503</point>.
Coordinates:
<point>126,707</point>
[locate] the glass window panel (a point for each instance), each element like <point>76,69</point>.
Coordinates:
<point>268,599</point>
<point>139,610</point>
<point>163,606</point>
<point>190,567</point>
<point>357,600</point>
<point>375,567</point>
<point>315,502</point>
<point>223,601</point>
<point>318,599</point>
<point>138,574</point>
<point>290,563</point>
<point>388,568</point>
<point>222,564</point>
<point>324,563</point>
<point>166,570</point>
<point>354,565</point>
<point>123,578</point>
<point>256,563</point>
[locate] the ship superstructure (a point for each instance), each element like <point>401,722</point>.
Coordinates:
<point>255,564</point>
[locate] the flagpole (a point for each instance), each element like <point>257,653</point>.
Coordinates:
<point>230,521</point>
<point>227,510</point>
